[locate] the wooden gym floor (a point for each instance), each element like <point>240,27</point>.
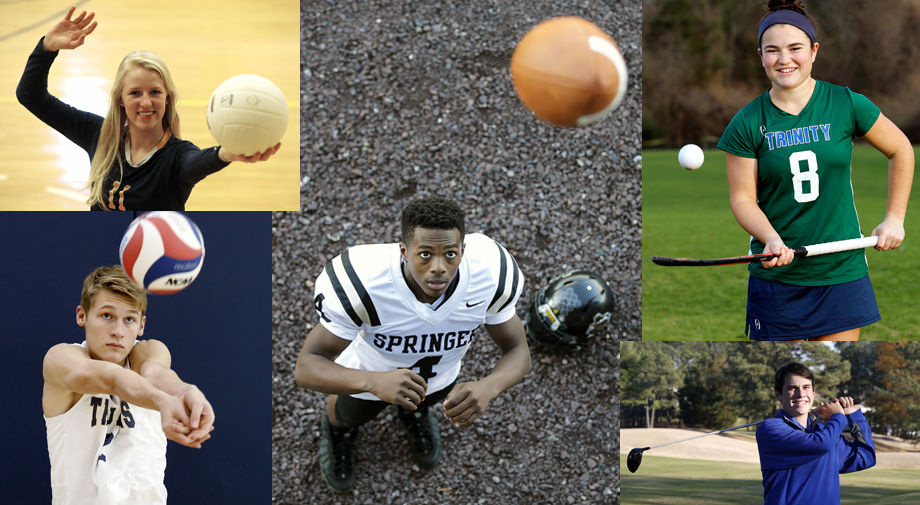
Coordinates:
<point>203,42</point>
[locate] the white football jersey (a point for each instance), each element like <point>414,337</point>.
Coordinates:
<point>362,296</point>
<point>104,451</point>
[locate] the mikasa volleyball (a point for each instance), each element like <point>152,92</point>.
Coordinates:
<point>162,251</point>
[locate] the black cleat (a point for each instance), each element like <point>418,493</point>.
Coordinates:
<point>424,435</point>
<point>337,456</point>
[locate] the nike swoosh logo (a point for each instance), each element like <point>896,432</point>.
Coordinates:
<point>468,304</point>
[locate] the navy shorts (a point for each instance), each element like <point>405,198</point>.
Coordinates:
<point>780,311</point>
<point>353,412</point>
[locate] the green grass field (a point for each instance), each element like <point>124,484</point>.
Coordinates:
<point>672,481</point>
<point>687,214</point>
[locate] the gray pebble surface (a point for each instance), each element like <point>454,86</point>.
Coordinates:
<point>402,99</point>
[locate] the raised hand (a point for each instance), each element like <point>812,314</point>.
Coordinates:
<point>827,409</point>
<point>849,405</point>
<point>227,156</point>
<point>70,33</point>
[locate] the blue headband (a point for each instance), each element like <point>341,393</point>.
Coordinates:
<point>787,17</point>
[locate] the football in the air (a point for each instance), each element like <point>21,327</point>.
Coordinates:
<point>568,72</point>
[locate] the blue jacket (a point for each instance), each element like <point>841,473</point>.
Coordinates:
<point>802,465</point>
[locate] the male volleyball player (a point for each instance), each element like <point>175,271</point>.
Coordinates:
<point>394,323</point>
<point>111,402</point>
<point>800,458</point>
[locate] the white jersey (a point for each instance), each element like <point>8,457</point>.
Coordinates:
<point>362,296</point>
<point>104,451</point>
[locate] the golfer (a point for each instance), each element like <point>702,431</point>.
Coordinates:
<point>788,157</point>
<point>800,458</point>
<point>138,161</point>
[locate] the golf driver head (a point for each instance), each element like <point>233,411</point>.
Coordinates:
<point>634,459</point>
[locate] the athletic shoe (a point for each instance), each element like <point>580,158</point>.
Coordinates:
<point>424,435</point>
<point>337,456</point>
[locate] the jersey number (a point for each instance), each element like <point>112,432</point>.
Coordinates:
<point>425,366</point>
<point>318,304</point>
<point>800,177</point>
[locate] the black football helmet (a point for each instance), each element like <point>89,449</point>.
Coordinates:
<point>566,311</point>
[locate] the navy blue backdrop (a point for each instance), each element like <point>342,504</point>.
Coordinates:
<point>218,331</point>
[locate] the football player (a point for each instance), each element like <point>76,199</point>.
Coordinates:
<point>394,323</point>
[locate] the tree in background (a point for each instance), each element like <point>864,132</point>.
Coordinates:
<point>714,384</point>
<point>896,400</point>
<point>734,380</point>
<point>863,375</point>
<point>707,398</point>
<point>649,376</point>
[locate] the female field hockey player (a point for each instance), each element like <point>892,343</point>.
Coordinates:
<point>138,161</point>
<point>788,161</point>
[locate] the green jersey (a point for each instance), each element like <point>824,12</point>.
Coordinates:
<point>803,178</point>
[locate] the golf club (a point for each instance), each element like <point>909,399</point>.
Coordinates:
<point>634,459</point>
<point>800,252</point>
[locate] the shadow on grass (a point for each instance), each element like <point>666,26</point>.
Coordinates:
<point>673,481</point>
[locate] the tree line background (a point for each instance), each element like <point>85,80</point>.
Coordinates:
<point>715,385</point>
<point>700,63</point>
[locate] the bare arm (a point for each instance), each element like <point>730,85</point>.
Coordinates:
<point>69,372</point>
<point>70,369</point>
<point>891,141</point>
<point>742,190</point>
<point>316,370</point>
<point>151,358</point>
<point>469,400</point>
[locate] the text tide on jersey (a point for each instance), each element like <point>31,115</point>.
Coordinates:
<point>125,420</point>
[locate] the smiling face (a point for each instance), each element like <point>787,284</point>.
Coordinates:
<point>787,55</point>
<point>432,258</point>
<point>113,323</point>
<point>144,99</point>
<point>797,395</point>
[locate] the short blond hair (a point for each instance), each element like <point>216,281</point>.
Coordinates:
<point>114,279</point>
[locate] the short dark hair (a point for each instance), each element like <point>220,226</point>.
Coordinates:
<point>794,369</point>
<point>432,212</point>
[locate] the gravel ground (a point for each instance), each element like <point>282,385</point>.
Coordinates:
<point>402,99</point>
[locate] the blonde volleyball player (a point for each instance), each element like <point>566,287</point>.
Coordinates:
<point>395,323</point>
<point>138,161</point>
<point>111,402</point>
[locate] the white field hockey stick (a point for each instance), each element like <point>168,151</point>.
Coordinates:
<point>800,252</point>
